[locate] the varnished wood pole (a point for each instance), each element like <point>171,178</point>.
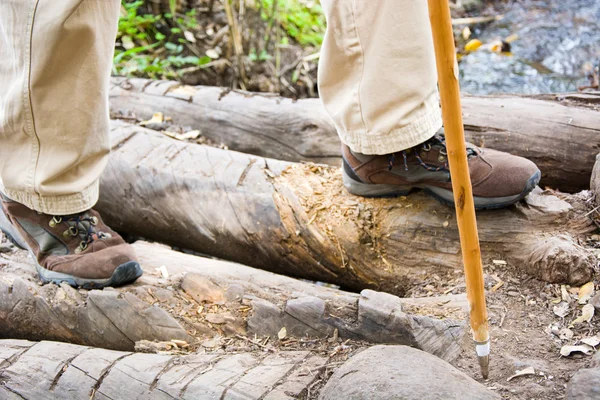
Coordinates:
<point>447,67</point>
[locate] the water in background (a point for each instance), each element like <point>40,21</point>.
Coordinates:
<point>558,42</point>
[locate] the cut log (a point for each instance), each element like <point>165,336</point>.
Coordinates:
<point>58,371</point>
<point>202,301</point>
<point>297,219</point>
<point>561,138</point>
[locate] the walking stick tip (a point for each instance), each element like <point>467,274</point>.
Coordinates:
<point>484,364</point>
<point>483,354</point>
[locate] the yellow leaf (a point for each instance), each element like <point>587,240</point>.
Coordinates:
<point>511,38</point>
<point>586,292</point>
<point>473,45</point>
<point>587,313</point>
<point>156,119</point>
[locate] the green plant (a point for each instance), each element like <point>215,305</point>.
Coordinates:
<point>303,20</point>
<point>147,51</point>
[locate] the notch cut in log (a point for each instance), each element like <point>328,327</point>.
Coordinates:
<point>200,300</point>
<point>297,219</point>
<point>561,138</point>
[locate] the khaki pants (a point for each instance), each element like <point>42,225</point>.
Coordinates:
<point>377,81</point>
<point>56,57</point>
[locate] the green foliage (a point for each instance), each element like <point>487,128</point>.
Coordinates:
<point>160,45</point>
<point>303,20</point>
<point>141,41</point>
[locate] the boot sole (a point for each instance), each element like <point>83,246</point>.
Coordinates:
<point>123,274</point>
<point>442,195</point>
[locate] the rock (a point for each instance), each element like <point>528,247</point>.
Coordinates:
<point>595,301</point>
<point>202,289</point>
<point>401,372</point>
<point>584,385</point>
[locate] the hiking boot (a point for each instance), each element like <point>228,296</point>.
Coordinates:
<point>499,179</point>
<point>77,249</point>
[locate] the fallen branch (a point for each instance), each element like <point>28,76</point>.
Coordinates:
<point>561,139</point>
<point>297,219</point>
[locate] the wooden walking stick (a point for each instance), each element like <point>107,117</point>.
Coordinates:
<point>447,68</point>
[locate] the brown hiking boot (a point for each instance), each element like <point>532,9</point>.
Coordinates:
<point>499,179</point>
<point>77,249</point>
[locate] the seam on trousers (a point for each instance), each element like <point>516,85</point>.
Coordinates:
<point>28,107</point>
<point>57,205</point>
<point>362,64</point>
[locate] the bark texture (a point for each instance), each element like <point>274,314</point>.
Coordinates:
<point>297,219</point>
<point>52,370</point>
<point>554,131</point>
<point>196,300</point>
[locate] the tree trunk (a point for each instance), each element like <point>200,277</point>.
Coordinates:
<point>59,371</point>
<point>196,299</point>
<point>297,219</point>
<point>561,138</point>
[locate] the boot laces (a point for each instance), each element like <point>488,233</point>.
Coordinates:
<point>439,141</point>
<point>83,226</point>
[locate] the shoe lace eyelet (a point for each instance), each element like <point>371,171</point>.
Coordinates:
<point>55,221</point>
<point>82,247</point>
<point>94,220</point>
<point>441,158</point>
<point>73,231</point>
<point>427,147</point>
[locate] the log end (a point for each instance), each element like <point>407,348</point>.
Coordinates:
<point>559,259</point>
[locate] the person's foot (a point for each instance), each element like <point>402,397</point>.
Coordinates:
<point>77,249</point>
<point>499,179</point>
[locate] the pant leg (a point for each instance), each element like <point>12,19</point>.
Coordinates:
<point>54,121</point>
<point>377,75</point>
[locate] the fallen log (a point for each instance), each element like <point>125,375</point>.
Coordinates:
<point>202,302</point>
<point>52,370</point>
<point>297,220</point>
<point>561,138</point>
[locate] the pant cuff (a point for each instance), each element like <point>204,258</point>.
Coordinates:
<point>427,121</point>
<point>57,205</point>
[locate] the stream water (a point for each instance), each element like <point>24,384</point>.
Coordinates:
<point>558,45</point>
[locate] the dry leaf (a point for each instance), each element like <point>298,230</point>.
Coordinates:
<point>523,372</point>
<point>561,309</point>
<point>591,341</point>
<point>586,292</point>
<point>473,45</point>
<point>499,262</point>
<point>564,294</point>
<point>189,36</point>
<point>466,33</point>
<point>587,313</point>
<point>568,350</point>
<point>282,333</point>
<point>157,118</point>
<point>212,53</point>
